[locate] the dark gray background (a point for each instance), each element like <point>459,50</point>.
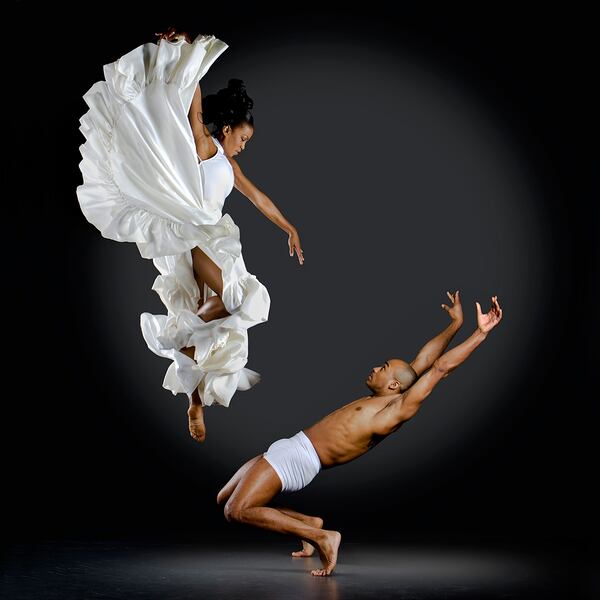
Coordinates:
<point>415,155</point>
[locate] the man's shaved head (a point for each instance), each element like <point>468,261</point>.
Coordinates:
<point>404,373</point>
<point>392,377</point>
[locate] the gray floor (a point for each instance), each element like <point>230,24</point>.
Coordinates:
<point>66,570</point>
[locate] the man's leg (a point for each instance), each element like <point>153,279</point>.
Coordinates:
<point>247,504</point>
<point>228,488</point>
<point>307,548</point>
<point>226,491</point>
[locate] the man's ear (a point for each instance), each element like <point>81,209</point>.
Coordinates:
<point>394,385</point>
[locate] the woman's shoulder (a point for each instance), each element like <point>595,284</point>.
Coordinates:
<point>218,144</point>
<point>207,147</point>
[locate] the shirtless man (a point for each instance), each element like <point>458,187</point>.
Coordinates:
<point>398,388</point>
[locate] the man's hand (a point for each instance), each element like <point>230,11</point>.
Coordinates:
<point>456,313</point>
<point>435,347</point>
<point>487,322</point>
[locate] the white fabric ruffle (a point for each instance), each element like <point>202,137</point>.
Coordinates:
<point>142,184</point>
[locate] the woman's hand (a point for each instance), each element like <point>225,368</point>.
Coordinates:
<point>172,35</point>
<point>294,244</point>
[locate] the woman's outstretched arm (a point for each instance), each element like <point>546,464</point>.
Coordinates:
<point>267,208</point>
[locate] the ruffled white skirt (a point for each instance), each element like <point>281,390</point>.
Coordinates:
<point>141,184</point>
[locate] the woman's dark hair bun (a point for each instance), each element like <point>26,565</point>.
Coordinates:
<point>229,106</point>
<point>238,95</point>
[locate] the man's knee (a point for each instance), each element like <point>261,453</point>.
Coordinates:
<point>222,496</point>
<point>233,511</point>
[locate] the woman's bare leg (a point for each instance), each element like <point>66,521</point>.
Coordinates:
<point>213,308</point>
<point>195,411</point>
<point>200,282</point>
<point>196,418</point>
<point>206,271</point>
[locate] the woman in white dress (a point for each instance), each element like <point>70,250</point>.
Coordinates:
<point>153,174</point>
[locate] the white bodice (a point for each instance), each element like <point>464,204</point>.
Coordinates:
<point>217,178</point>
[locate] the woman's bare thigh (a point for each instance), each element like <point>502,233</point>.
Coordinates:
<point>205,270</point>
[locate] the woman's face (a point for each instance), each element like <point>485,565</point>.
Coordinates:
<point>235,140</point>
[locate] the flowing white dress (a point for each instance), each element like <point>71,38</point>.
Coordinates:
<point>143,183</point>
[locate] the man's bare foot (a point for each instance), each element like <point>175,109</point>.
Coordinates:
<point>309,549</point>
<point>196,422</point>
<point>328,551</point>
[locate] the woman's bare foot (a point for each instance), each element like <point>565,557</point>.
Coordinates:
<point>309,549</point>
<point>196,418</point>
<point>328,551</point>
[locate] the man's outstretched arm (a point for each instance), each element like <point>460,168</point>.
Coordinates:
<point>449,361</point>
<point>394,414</point>
<point>434,348</point>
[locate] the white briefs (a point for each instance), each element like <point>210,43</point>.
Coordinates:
<point>295,460</point>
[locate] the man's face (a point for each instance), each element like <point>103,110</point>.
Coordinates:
<point>382,379</point>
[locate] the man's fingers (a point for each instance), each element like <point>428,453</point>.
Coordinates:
<point>445,307</point>
<point>478,308</point>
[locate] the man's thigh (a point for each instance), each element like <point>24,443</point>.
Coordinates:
<point>257,487</point>
<point>228,488</point>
